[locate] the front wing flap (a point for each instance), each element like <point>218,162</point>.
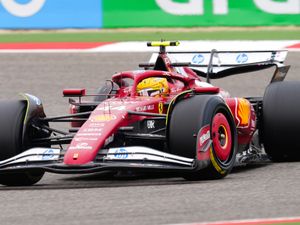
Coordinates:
<point>123,158</point>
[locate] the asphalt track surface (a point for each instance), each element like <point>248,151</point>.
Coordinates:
<point>258,191</point>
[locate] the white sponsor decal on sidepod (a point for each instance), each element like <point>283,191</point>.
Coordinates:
<point>88,134</point>
<point>81,146</point>
<point>91,130</point>
<point>144,108</point>
<point>85,139</point>
<point>119,108</point>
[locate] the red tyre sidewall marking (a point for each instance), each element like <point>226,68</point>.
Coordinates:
<point>220,123</point>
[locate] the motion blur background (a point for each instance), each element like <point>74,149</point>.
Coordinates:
<point>87,14</point>
<point>262,191</point>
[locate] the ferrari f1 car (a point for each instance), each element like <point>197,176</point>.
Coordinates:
<point>165,117</point>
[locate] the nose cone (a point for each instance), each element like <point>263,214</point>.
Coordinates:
<point>96,132</point>
<point>102,124</point>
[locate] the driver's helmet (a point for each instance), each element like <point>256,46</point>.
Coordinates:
<point>153,86</point>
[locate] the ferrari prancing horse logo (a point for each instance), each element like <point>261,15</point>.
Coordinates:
<point>160,108</point>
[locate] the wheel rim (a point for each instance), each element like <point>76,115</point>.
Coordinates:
<point>221,137</point>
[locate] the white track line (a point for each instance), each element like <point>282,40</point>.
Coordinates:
<point>249,222</point>
<point>198,46</point>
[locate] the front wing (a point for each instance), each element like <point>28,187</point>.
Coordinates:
<point>123,158</point>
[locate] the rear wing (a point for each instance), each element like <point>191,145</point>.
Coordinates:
<point>218,64</point>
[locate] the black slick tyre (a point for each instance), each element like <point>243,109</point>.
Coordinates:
<point>187,118</point>
<point>281,121</point>
<point>12,115</point>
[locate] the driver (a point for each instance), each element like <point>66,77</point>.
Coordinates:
<point>153,87</point>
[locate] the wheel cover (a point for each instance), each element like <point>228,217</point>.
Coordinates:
<point>221,137</point>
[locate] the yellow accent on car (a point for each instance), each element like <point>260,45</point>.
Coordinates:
<point>173,101</point>
<point>244,111</point>
<point>226,136</point>
<point>103,118</point>
<point>214,162</point>
<point>160,107</point>
<point>162,43</point>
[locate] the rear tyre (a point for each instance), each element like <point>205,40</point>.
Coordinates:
<point>187,118</point>
<point>12,115</point>
<point>281,121</point>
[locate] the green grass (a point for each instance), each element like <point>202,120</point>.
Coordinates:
<point>103,36</point>
<point>294,223</point>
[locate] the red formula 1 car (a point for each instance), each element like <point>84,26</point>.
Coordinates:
<point>160,118</point>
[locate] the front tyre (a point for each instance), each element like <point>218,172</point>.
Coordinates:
<point>12,114</point>
<point>21,179</point>
<point>187,118</point>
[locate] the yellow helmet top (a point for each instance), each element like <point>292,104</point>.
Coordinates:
<point>153,86</point>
